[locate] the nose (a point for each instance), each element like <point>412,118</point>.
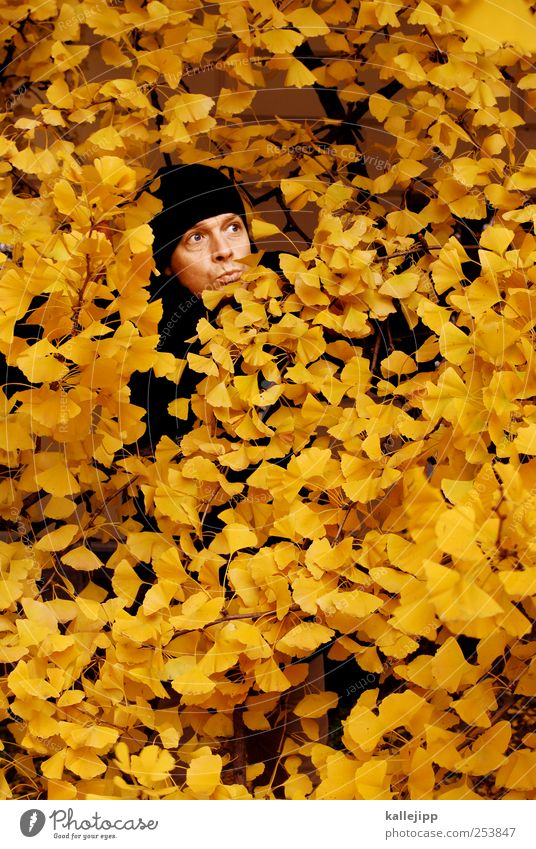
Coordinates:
<point>221,249</point>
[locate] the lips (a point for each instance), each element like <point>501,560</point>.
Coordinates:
<point>230,277</point>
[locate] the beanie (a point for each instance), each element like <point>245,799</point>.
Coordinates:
<point>189,194</point>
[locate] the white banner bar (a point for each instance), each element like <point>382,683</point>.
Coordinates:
<point>275,825</point>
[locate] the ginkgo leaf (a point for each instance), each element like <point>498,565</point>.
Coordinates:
<point>454,344</point>
<point>307,636</point>
<point>39,363</point>
<point>234,537</point>
<point>370,780</point>
<point>193,682</point>
<point>280,41</point>
<point>203,774</point>
<point>491,26</point>
<point>84,762</point>
<point>298,75</point>
<point>298,786</point>
<point>58,539</point>
<point>316,705</point>
<point>474,705</point>
<point>270,678</point>
<point>58,480</point>
<point>152,765</point>
<point>398,363</point>
<point>82,559</point>
<point>308,22</point>
<point>233,102</point>
<point>198,610</point>
<point>525,441</point>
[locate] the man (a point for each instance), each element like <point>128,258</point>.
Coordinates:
<point>200,236</point>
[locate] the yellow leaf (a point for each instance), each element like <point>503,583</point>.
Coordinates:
<point>197,611</point>
<point>298,786</point>
<point>234,537</point>
<point>58,94</point>
<point>233,102</point>
<point>152,765</point>
<point>379,106</point>
<point>475,703</point>
<point>53,767</point>
<point>179,408</point>
<point>57,540</point>
<point>299,191</point>
<point>450,667</point>
<point>65,198</point>
<point>13,436</point>
<point>262,229</point>
<point>363,727</point>
<point>269,677</point>
<point>298,75</point>
<point>219,396</point>
<point>309,22</point>
<point>519,771</point>
<point>58,480</point>
<point>280,41</point>
<point>189,107</point>
<point>316,705</point>
<point>487,752</point>
<point>496,238</point>
<point>525,441</point>
<point>82,559</point>
<point>454,344</point>
<point>203,774</point>
<point>398,363</point>
<point>421,775</point>
<point>140,238</point>
<point>370,779</point>
<point>84,762</point>
<point>39,364</point>
<point>125,582</point>
<point>91,736</point>
<point>520,584</point>
<point>255,720</point>
<point>193,682</point>
<point>400,285</point>
<point>307,636</point>
<point>106,138</point>
<point>457,597</point>
<point>490,25</point>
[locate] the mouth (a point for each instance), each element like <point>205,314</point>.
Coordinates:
<point>229,277</point>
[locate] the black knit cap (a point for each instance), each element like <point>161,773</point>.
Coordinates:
<point>189,193</point>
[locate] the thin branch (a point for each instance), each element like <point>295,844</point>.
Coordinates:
<point>342,524</point>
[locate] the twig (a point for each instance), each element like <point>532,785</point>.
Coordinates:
<point>375,354</point>
<point>341,526</point>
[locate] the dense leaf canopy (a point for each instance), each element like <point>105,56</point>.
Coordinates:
<point>373,504</point>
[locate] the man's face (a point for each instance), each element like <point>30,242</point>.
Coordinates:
<point>207,256</point>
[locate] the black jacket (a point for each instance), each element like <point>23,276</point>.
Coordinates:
<point>181,313</point>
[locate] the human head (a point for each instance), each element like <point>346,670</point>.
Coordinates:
<point>201,232</point>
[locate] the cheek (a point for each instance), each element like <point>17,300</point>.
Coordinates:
<point>185,262</point>
<point>244,248</point>
<point>193,271</point>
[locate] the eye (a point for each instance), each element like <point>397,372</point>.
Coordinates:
<point>192,238</point>
<point>237,225</point>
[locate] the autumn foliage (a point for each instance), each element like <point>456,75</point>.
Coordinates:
<point>382,513</point>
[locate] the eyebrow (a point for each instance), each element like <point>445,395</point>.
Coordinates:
<point>200,225</point>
